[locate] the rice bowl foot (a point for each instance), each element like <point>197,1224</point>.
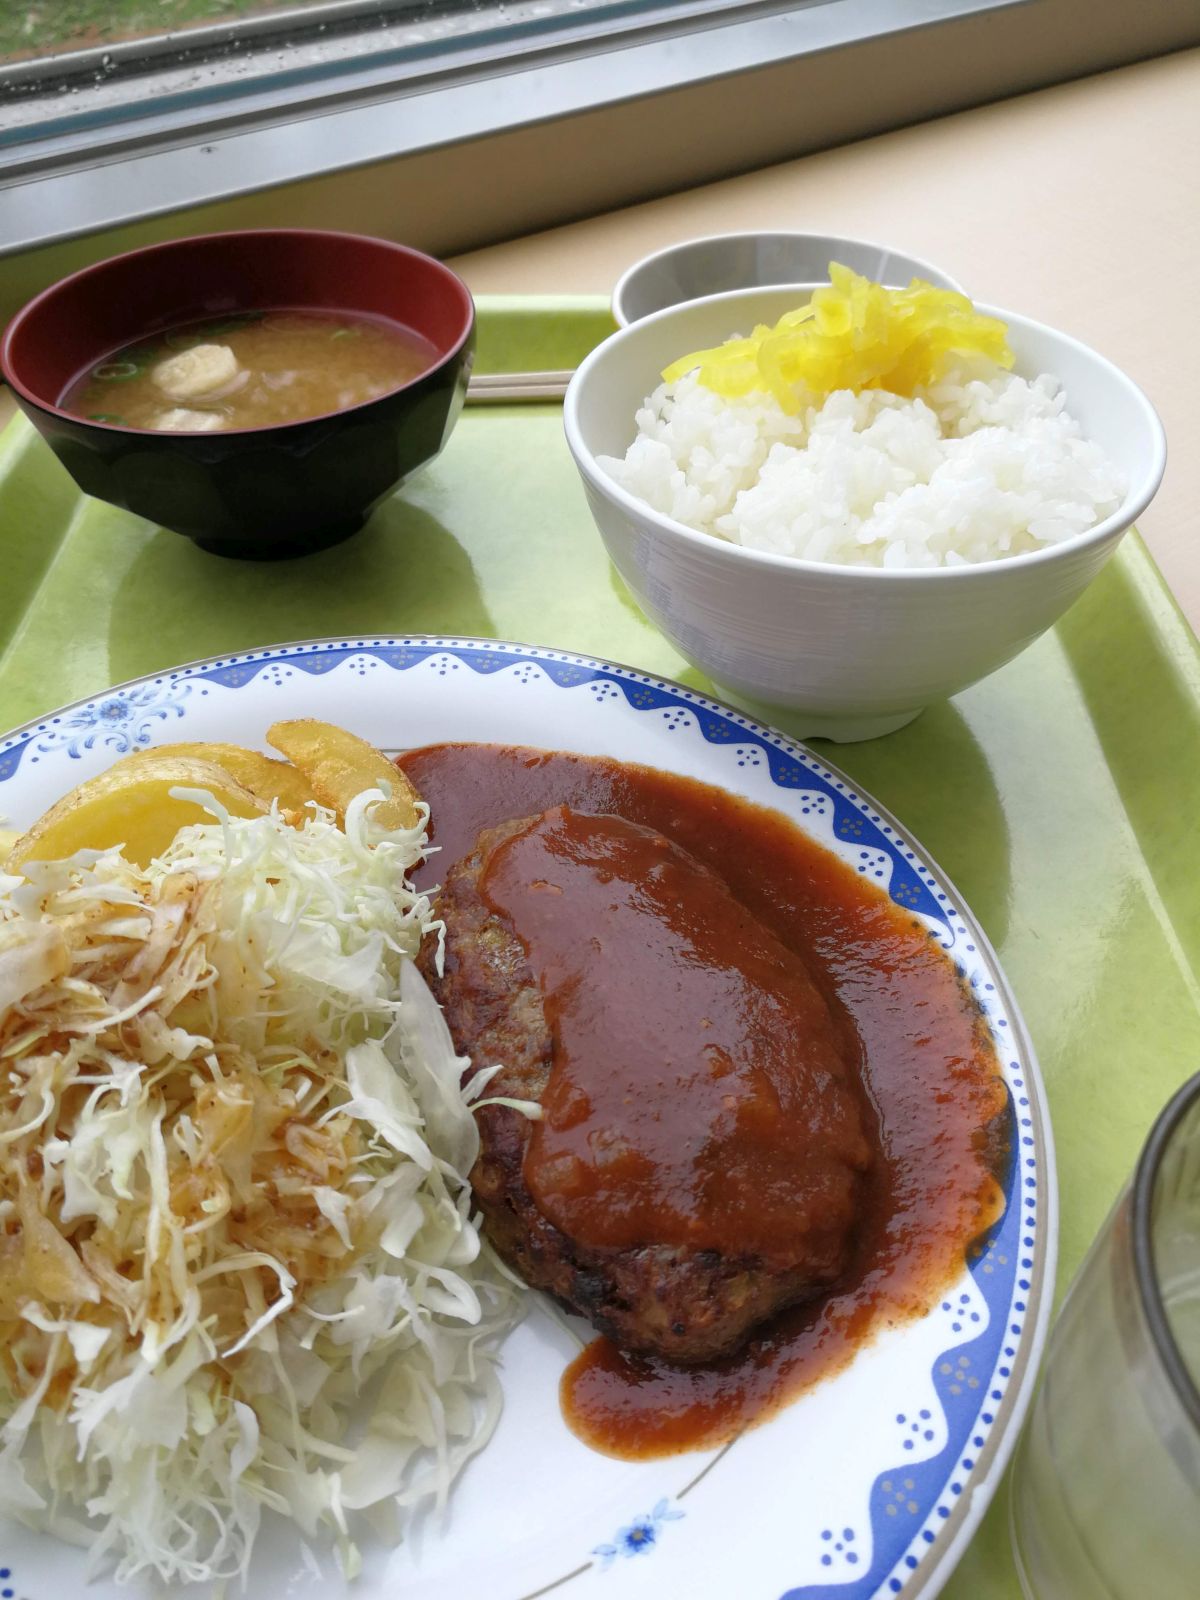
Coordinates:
<point>842,728</point>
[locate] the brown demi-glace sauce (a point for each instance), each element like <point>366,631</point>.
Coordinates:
<point>701,1095</point>
<point>929,1073</point>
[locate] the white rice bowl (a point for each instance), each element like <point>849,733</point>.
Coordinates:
<point>973,469</point>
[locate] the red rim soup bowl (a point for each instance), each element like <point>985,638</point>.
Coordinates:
<point>258,493</point>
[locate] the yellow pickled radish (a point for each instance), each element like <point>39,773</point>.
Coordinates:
<point>856,335</point>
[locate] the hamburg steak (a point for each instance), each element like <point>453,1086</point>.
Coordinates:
<point>701,1151</point>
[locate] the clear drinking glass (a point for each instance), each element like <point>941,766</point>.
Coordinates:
<point>1106,1485</point>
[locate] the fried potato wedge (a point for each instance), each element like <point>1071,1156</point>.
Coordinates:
<point>131,805</point>
<point>340,765</point>
<point>263,776</point>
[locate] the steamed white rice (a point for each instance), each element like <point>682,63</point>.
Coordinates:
<point>967,471</point>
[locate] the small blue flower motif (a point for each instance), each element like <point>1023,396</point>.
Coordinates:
<point>640,1537</point>
<point>119,721</point>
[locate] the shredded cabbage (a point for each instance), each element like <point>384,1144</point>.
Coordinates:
<point>234,1158</point>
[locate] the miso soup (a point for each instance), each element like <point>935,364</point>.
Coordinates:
<point>252,370</point>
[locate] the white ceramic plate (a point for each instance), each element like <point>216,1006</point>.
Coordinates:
<point>868,1485</point>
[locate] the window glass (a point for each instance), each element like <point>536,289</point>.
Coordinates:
<point>32,28</point>
<point>72,66</point>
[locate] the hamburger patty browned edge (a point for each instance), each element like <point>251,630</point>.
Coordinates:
<point>684,1304</point>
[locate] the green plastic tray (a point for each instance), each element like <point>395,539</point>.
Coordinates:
<point>1060,795</point>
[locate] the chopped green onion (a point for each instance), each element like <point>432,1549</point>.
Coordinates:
<point>106,416</point>
<point>116,371</point>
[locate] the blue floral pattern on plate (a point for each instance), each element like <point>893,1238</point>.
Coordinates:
<point>638,1537</point>
<point>119,721</point>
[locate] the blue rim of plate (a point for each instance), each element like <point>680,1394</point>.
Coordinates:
<point>1013,1266</point>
